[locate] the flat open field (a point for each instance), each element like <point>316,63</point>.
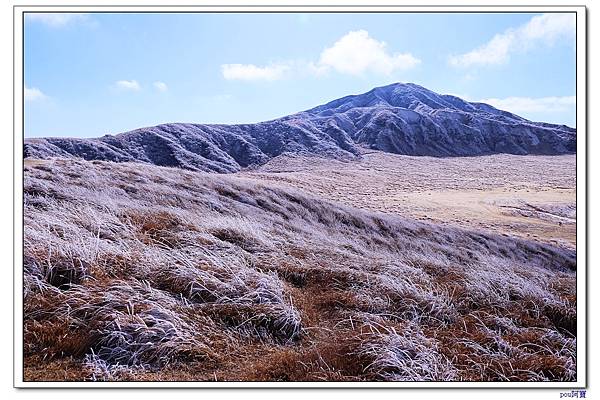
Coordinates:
<point>527,196</point>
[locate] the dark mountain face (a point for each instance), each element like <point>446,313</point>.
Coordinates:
<point>399,118</point>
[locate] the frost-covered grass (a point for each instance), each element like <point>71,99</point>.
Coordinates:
<point>531,197</point>
<point>136,272</point>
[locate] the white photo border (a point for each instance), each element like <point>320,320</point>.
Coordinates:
<point>581,187</point>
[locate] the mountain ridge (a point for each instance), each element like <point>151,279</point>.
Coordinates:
<point>401,118</point>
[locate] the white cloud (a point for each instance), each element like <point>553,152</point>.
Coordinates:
<point>357,52</point>
<point>132,85</point>
<point>543,29</point>
<point>250,72</point>
<point>32,94</point>
<point>533,105</point>
<point>160,86</point>
<point>354,53</point>
<point>56,20</point>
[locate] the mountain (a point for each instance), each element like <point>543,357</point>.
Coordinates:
<point>399,118</point>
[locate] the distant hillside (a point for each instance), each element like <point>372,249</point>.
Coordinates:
<point>398,118</point>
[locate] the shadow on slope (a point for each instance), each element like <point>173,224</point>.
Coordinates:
<point>398,118</point>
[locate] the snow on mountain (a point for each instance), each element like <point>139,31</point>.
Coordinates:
<point>399,118</point>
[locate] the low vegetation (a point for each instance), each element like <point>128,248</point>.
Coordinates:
<point>532,197</point>
<point>138,272</point>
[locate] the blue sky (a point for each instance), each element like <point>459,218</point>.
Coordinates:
<point>91,74</point>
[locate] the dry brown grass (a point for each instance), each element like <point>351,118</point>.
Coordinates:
<point>527,196</point>
<point>195,276</point>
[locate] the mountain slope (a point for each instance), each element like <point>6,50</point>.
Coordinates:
<point>398,118</point>
<point>135,272</point>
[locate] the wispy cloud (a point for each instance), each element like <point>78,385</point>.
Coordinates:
<point>543,29</point>
<point>356,53</point>
<point>251,72</point>
<point>132,85</point>
<point>56,20</point>
<point>533,105</point>
<point>160,86</point>
<point>32,94</point>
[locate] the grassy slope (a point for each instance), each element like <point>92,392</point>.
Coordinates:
<point>148,273</point>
